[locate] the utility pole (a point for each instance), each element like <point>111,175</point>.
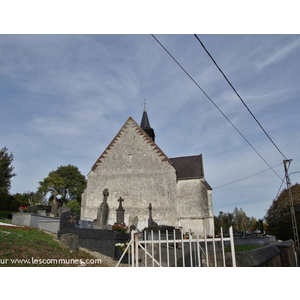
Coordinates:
<point>293,215</point>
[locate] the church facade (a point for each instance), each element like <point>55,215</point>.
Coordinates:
<point>135,168</point>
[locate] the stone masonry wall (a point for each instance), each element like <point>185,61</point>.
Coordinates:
<point>194,206</point>
<point>134,168</point>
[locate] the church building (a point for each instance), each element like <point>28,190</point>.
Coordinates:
<point>135,168</point>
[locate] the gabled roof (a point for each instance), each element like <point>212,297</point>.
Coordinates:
<point>142,133</point>
<point>188,167</point>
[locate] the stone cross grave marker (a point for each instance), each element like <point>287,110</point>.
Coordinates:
<point>103,210</point>
<point>120,212</point>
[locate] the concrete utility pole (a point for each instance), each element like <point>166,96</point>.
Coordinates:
<point>293,215</point>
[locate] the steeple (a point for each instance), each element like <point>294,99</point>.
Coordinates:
<point>145,124</point>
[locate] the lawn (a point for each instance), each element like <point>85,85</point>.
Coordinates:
<point>242,248</point>
<point>28,247</point>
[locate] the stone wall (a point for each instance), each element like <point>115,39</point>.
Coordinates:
<point>194,206</point>
<point>133,168</point>
<point>102,241</point>
<point>277,255</point>
<point>37,221</point>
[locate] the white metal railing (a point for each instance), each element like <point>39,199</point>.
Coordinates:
<point>188,251</point>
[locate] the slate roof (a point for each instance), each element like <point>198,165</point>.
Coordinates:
<point>188,167</point>
<point>145,125</point>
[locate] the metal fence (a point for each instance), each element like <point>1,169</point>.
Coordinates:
<point>170,249</point>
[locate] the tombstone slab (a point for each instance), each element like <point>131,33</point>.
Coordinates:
<point>70,240</point>
<point>69,220</point>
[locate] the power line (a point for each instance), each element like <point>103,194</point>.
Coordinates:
<point>214,104</point>
<point>239,96</point>
<point>241,179</point>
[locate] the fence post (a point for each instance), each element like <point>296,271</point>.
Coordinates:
<point>145,239</point>
<point>152,248</point>
<point>191,250</point>
<point>232,247</point>
<point>214,247</point>
<point>168,254</point>
<point>206,249</point>
<point>159,246</point>
<point>132,248</point>
<point>182,246</point>
<point>198,250</point>
<point>223,250</point>
<point>136,240</point>
<point>175,254</point>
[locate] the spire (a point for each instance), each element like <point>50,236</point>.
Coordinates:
<point>145,124</point>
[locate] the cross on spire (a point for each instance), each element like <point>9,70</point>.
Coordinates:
<point>145,104</point>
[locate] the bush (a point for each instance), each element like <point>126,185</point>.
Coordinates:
<point>74,207</point>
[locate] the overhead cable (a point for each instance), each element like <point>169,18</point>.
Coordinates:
<point>239,96</point>
<point>246,177</point>
<point>207,96</point>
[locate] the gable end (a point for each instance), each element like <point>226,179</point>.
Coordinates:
<point>140,132</point>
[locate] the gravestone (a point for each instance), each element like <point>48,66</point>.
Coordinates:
<point>150,220</point>
<point>103,210</point>
<point>70,240</point>
<point>84,224</point>
<point>62,210</point>
<point>42,212</point>
<point>32,210</point>
<point>120,212</point>
<point>54,208</point>
<point>69,220</point>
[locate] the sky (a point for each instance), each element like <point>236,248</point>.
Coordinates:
<point>64,98</point>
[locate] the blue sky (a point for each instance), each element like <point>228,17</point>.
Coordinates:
<point>64,97</point>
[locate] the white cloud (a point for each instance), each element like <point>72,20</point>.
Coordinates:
<point>276,53</point>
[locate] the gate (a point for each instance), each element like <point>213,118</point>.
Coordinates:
<point>167,249</point>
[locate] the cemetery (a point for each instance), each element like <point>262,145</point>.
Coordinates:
<point>95,235</point>
<point>111,239</point>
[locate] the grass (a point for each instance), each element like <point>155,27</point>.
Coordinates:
<point>242,248</point>
<point>28,247</point>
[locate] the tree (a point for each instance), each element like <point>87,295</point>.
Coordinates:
<point>74,207</point>
<point>67,181</point>
<point>237,219</point>
<point>6,173</point>
<point>278,216</point>
<point>241,221</point>
<point>224,220</point>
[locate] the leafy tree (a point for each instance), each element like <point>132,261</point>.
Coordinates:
<point>6,173</point>
<point>237,219</point>
<point>224,220</point>
<point>241,221</point>
<point>74,207</point>
<point>278,216</point>
<point>67,181</point>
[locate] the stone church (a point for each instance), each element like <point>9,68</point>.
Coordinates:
<point>135,168</point>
